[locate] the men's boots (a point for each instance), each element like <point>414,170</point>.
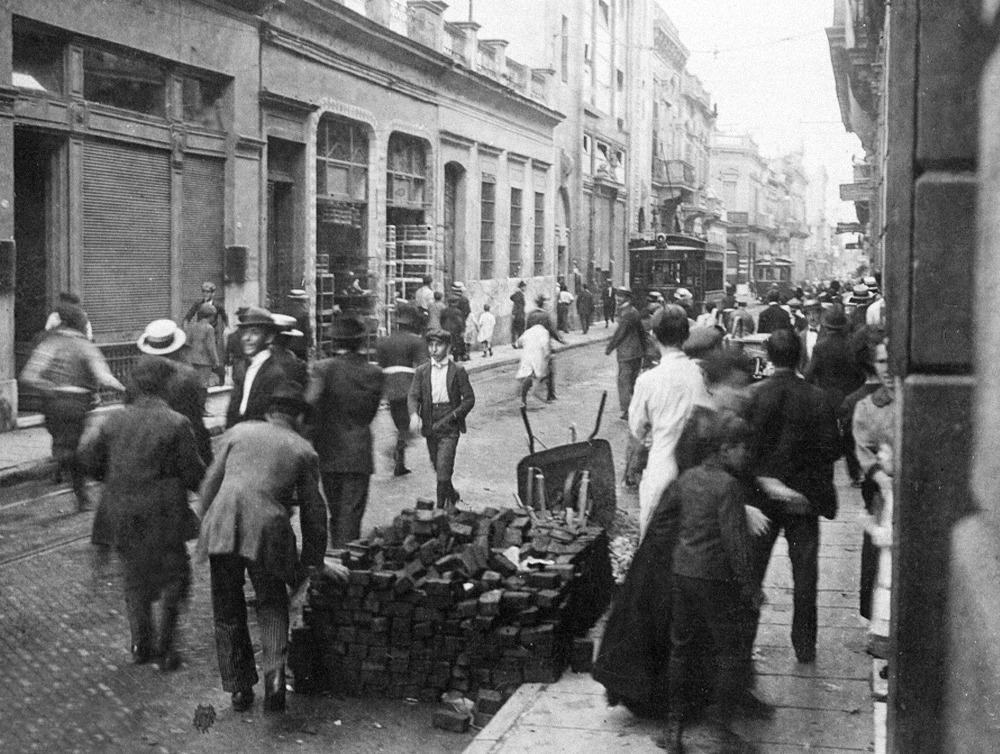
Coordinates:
<point>274,691</point>
<point>671,740</point>
<point>400,456</point>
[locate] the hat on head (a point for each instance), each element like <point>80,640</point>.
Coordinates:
<point>811,303</point>
<point>627,293</point>
<point>161,336</point>
<point>257,316</point>
<point>72,316</point>
<point>835,319</point>
<point>860,294</point>
<point>298,294</point>
<point>795,303</point>
<point>407,316</point>
<point>288,396</point>
<point>346,329</point>
<point>284,322</point>
<point>457,286</point>
<point>436,333</point>
<point>683,294</point>
<point>701,340</point>
<point>773,296</point>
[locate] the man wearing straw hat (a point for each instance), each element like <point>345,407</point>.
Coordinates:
<point>344,392</point>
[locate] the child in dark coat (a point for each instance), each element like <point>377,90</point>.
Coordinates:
<point>713,586</point>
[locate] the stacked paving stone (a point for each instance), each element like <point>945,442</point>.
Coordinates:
<point>438,602</point>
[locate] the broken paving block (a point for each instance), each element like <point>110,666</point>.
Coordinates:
<point>448,719</point>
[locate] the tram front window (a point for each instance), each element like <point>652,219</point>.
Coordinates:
<point>665,273</point>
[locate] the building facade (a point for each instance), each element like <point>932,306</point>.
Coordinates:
<point>262,147</point>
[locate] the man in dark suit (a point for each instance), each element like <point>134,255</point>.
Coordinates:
<point>146,457</point>
<point>834,370</point>
<point>809,336</point>
<point>344,392</point>
<point>440,398</point>
<point>251,393</point>
<point>585,307</point>
<point>245,502</point>
<point>773,317</point>
<point>608,301</point>
<point>629,343</point>
<point>796,444</point>
<point>517,313</point>
<point>399,354</point>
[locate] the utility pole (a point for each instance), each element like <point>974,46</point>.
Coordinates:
<point>470,10</point>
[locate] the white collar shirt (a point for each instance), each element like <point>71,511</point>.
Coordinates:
<point>439,380</point>
<point>255,364</point>
<point>812,335</point>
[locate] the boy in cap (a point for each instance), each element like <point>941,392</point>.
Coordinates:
<point>440,398</point>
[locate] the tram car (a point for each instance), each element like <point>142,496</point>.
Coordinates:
<point>773,273</point>
<point>673,260</point>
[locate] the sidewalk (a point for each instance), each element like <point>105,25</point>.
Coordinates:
<point>823,708</point>
<point>25,453</point>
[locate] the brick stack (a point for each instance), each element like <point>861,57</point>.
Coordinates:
<point>437,603</point>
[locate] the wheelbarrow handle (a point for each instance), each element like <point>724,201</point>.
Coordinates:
<point>600,413</point>
<point>527,427</point>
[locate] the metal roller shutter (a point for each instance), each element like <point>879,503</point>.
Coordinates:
<point>126,238</point>
<point>202,219</point>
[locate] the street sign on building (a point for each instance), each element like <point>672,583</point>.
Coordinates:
<point>850,228</point>
<point>856,192</point>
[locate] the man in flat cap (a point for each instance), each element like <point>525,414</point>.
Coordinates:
<point>440,398</point>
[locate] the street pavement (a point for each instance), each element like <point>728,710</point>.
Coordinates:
<point>825,708</point>
<point>69,685</point>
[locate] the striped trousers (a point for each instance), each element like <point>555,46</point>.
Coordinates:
<point>232,635</point>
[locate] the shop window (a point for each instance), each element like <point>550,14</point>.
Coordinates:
<point>407,175</point>
<point>341,161</point>
<point>539,233</point>
<point>123,80</point>
<point>37,63</point>
<point>487,202</point>
<point>516,209</point>
<point>202,101</point>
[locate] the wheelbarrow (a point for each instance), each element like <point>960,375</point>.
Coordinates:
<point>579,476</point>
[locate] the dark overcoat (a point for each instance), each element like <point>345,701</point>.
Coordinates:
<point>269,376</point>
<point>773,318</point>
<point>345,392</point>
<point>399,354</point>
<point>833,369</point>
<point>145,454</point>
<point>629,339</point>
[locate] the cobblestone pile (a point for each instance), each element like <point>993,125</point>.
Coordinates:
<point>463,602</point>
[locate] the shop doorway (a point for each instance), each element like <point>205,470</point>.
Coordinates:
<point>454,220</point>
<point>37,234</point>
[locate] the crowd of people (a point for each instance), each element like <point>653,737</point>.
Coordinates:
<point>298,438</point>
<point>725,464</point>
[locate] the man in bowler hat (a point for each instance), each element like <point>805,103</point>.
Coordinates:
<point>344,392</point>
<point>251,393</point>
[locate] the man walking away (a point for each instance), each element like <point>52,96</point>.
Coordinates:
<point>608,302</point>
<point>440,398</point>
<point>399,354</point>
<point>663,401</point>
<point>145,454</point>
<point>344,392</point>
<point>246,501</point>
<point>517,313</point>
<point>203,353</point>
<point>219,322</point>
<point>629,344</point>
<point>585,307</point>
<point>68,370</point>
<point>773,317</point>
<point>563,302</point>
<point>796,444</point>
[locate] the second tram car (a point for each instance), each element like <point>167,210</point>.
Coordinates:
<point>771,273</point>
<point>673,261</point>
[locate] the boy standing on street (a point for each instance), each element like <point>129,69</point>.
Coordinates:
<point>714,587</point>
<point>440,398</point>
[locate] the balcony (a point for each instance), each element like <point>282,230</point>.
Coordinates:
<point>738,218</point>
<point>674,173</point>
<point>762,220</point>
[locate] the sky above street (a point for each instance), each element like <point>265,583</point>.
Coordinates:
<point>767,66</point>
